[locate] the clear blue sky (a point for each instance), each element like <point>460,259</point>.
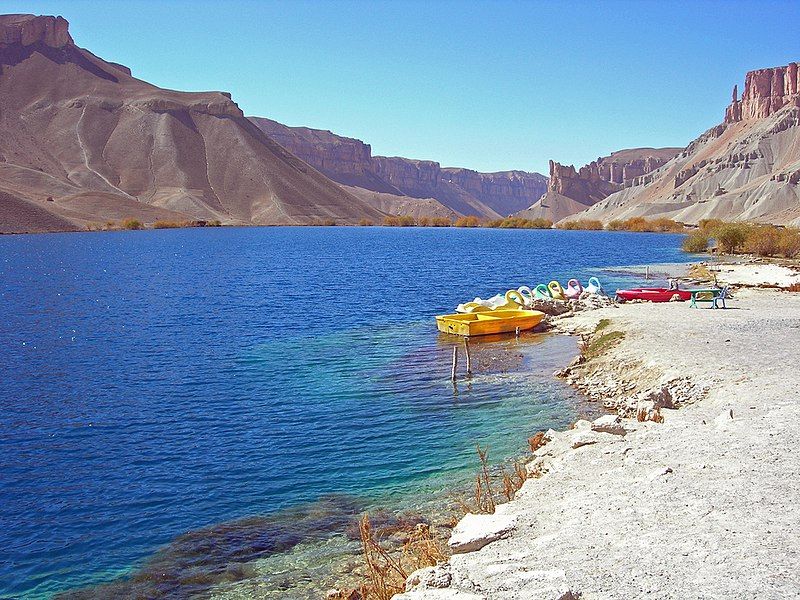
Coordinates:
<point>486,85</point>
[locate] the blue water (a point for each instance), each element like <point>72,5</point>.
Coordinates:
<point>159,382</point>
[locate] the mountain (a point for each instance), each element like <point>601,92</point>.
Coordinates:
<point>83,141</point>
<point>746,168</point>
<point>570,191</point>
<point>350,162</point>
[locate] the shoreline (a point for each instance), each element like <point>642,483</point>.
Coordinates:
<point>680,488</point>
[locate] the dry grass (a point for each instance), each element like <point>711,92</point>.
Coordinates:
<point>537,441</point>
<point>644,415</point>
<point>582,224</point>
<point>387,569</point>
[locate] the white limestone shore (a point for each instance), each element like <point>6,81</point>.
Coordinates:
<point>705,504</point>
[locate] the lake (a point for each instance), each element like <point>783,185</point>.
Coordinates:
<point>216,405</point>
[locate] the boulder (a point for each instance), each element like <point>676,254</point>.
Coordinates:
<point>609,424</point>
<point>473,532</point>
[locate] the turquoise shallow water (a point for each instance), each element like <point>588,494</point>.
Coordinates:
<point>277,380</point>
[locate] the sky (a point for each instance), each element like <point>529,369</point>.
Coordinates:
<point>485,85</point>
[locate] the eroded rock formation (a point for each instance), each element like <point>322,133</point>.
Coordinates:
<point>570,191</point>
<point>766,91</point>
<point>747,167</point>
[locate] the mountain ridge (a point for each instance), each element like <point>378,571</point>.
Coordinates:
<point>80,138</point>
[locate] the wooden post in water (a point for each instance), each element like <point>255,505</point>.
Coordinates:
<point>455,364</point>
<point>647,272</point>
<point>516,333</point>
<point>469,358</point>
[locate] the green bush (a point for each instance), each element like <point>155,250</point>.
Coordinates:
<point>132,224</point>
<point>731,237</point>
<point>696,241</point>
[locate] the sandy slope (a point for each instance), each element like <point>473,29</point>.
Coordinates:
<point>703,505</point>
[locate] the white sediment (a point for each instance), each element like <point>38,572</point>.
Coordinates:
<point>705,504</point>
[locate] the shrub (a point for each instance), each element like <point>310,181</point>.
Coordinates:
<point>423,221</point>
<point>664,225</point>
<point>731,237</point>
<point>441,222</point>
<point>132,224</point>
<point>583,224</point>
<point>168,224</point>
<point>789,243</point>
<point>709,226</point>
<point>469,221</point>
<point>697,241</point>
<point>399,221</point>
<point>365,223</point>
<point>520,223</point>
<point>215,223</point>
<point>764,241</point>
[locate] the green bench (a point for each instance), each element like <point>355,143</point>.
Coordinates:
<point>714,297</point>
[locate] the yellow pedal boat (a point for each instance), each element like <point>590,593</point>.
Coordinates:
<point>485,323</point>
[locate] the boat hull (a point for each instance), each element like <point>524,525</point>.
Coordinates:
<point>654,294</point>
<point>487,323</point>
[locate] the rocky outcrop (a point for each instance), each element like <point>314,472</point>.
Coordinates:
<point>345,160</point>
<point>746,168</point>
<point>82,141</point>
<point>766,91</point>
<point>27,30</point>
<point>570,191</point>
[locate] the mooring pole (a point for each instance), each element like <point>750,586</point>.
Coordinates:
<point>469,358</point>
<point>516,332</point>
<point>455,364</point>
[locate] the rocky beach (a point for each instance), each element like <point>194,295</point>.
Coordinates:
<point>688,491</point>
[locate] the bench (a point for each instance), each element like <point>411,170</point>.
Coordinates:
<point>713,296</point>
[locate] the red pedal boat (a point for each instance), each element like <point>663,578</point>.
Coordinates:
<point>654,294</point>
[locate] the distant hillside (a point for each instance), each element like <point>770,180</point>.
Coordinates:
<point>350,162</point>
<point>747,168</point>
<point>83,141</point>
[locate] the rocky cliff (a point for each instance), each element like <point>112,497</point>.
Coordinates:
<point>748,167</point>
<point>350,162</point>
<point>84,141</point>
<point>570,191</point>
<point>766,92</point>
<point>505,192</point>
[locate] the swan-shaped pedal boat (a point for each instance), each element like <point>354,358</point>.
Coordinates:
<point>511,300</point>
<point>594,287</point>
<point>556,291</point>
<point>574,289</point>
